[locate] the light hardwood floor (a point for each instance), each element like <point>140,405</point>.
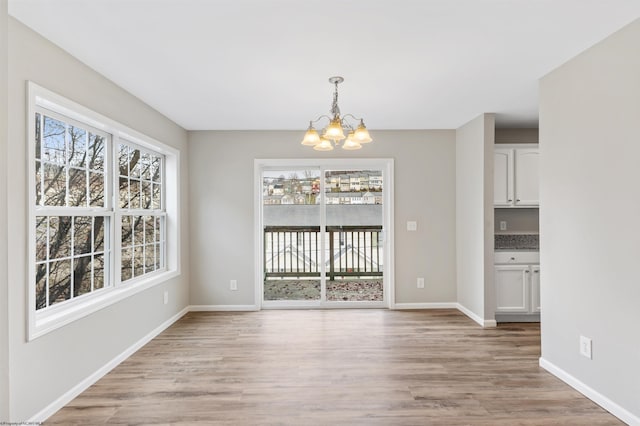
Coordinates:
<point>327,367</point>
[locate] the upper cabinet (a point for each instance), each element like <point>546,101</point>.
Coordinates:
<point>527,177</point>
<point>503,177</point>
<point>515,179</point>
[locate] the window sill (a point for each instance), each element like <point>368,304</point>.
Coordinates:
<point>49,320</point>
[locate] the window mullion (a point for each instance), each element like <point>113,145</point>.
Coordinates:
<point>76,211</point>
<point>93,251</point>
<point>87,175</point>
<point>48,259</point>
<point>66,164</point>
<point>41,156</point>
<point>116,223</point>
<point>72,258</point>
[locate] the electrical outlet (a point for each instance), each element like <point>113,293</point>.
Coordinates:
<point>585,347</point>
<point>503,225</point>
<point>420,282</point>
<point>233,285</point>
<point>412,225</point>
<point>166,297</point>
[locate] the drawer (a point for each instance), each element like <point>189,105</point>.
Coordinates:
<point>526,257</point>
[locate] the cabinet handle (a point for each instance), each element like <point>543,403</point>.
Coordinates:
<point>527,272</point>
<point>535,272</point>
<point>513,258</point>
<point>518,200</point>
<point>509,200</point>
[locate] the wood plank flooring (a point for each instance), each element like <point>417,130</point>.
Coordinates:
<point>334,367</point>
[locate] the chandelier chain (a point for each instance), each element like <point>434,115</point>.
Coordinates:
<point>335,109</point>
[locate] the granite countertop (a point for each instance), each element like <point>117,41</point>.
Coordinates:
<point>511,242</point>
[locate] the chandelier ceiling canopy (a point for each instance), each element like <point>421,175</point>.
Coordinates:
<point>334,132</point>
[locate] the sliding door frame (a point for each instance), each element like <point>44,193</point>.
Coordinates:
<point>383,164</point>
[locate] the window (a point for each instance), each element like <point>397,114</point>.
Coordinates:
<point>101,198</point>
<point>140,198</point>
<point>72,214</point>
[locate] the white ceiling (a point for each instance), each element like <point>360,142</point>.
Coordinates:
<point>264,64</point>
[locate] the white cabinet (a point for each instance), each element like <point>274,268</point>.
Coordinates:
<point>526,177</point>
<point>517,284</point>
<point>503,177</point>
<point>512,288</point>
<point>515,178</point>
<point>517,288</point>
<point>535,288</point>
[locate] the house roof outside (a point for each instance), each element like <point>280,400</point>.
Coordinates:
<point>309,215</point>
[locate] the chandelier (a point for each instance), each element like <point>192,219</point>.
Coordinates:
<point>333,133</point>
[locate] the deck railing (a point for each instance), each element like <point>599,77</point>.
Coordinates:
<point>294,251</point>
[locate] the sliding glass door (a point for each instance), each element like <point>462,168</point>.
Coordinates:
<point>291,234</point>
<point>354,235</point>
<point>324,232</point>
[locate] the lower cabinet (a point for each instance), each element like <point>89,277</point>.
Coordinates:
<point>517,292</point>
<point>535,288</point>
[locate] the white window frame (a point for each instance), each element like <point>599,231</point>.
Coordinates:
<point>43,321</point>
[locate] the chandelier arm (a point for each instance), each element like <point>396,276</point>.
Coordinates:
<point>352,116</point>
<point>320,118</point>
<point>346,124</point>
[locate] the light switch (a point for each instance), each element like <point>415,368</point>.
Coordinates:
<point>412,225</point>
<point>585,347</point>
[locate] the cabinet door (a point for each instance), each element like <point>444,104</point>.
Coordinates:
<point>503,177</point>
<point>512,288</point>
<point>535,288</point>
<point>526,177</point>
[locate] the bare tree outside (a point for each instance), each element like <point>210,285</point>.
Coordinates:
<point>72,254</point>
<point>140,190</point>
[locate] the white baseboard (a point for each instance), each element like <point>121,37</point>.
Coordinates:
<point>483,322</point>
<point>68,396</point>
<point>446,305</point>
<point>490,324</point>
<point>215,308</point>
<point>591,393</point>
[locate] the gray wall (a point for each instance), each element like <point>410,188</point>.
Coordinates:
<point>589,227</point>
<point>4,306</point>
<point>222,209</point>
<point>474,215</point>
<point>43,369</point>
